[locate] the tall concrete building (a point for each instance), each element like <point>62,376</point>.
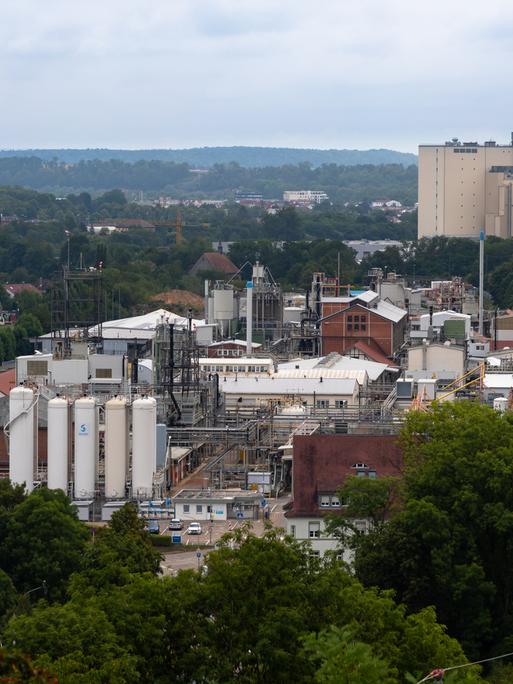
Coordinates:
<point>465,188</point>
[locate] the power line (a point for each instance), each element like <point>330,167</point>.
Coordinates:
<point>439,672</point>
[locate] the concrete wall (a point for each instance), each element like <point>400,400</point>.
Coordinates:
<point>434,360</point>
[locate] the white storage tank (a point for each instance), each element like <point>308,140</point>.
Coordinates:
<point>58,437</point>
<point>86,447</point>
<point>116,447</point>
<point>223,305</point>
<point>144,446</point>
<point>22,431</point>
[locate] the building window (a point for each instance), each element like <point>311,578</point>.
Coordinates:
<point>186,508</point>
<point>314,530</point>
<point>209,509</point>
<point>37,367</point>
<point>340,403</point>
<point>104,372</point>
<point>335,501</point>
<point>199,508</point>
<point>325,501</point>
<point>314,554</point>
<point>322,403</point>
<point>292,530</point>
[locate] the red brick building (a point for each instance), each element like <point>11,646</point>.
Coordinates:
<point>229,349</point>
<point>348,320</point>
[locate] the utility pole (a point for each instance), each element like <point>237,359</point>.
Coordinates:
<point>481,282</point>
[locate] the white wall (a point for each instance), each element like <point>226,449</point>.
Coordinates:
<point>299,529</point>
<point>219,510</point>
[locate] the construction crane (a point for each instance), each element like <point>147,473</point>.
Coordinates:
<point>179,225</point>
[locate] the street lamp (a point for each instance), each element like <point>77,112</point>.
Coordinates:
<point>42,586</point>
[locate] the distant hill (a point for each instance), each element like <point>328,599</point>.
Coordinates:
<point>349,183</point>
<point>248,157</point>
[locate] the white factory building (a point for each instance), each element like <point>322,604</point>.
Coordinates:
<point>315,393</point>
<point>118,335</point>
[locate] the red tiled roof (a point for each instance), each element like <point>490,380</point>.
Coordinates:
<point>372,353</point>
<point>15,288</point>
<point>217,262</point>
<point>321,463</point>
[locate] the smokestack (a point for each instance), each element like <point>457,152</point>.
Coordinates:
<point>206,300</point>
<point>481,280</point>
<point>249,318</point>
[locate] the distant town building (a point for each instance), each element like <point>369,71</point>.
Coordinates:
<point>464,188</point>
<point>386,204</point>
<point>248,198</point>
<point>14,289</point>
<point>214,261</point>
<point>305,196</point>
<point>366,248</point>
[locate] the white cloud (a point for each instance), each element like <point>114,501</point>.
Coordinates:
<point>196,72</point>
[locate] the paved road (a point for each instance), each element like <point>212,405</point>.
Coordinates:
<point>188,559</point>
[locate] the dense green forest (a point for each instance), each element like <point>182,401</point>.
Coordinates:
<point>342,183</point>
<point>208,156</point>
<point>94,608</point>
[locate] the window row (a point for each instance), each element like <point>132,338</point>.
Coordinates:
<point>233,369</point>
<point>199,508</point>
<point>325,403</point>
<point>329,501</point>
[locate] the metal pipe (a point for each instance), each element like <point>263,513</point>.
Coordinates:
<point>249,318</point>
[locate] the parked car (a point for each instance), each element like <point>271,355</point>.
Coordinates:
<point>175,524</point>
<point>153,527</point>
<point>194,528</point>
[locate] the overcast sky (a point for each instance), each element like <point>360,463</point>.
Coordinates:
<point>187,73</point>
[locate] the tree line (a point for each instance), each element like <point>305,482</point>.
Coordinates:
<point>80,606</point>
<point>356,183</point>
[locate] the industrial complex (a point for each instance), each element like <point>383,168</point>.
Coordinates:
<point>270,394</point>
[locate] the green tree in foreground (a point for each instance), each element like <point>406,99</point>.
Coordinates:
<point>451,543</point>
<point>43,541</point>
<point>343,660</point>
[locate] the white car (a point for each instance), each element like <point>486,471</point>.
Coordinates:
<point>194,528</point>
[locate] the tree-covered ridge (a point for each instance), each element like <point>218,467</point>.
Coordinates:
<point>263,609</point>
<point>356,183</point>
<point>208,156</point>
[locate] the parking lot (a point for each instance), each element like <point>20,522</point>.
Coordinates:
<point>210,534</point>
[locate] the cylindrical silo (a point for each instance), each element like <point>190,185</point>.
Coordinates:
<point>116,443</point>
<point>144,446</point>
<point>86,439</point>
<point>22,426</point>
<point>58,476</point>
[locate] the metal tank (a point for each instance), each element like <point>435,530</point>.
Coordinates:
<point>86,446</point>
<point>223,305</point>
<point>58,437</point>
<point>116,447</point>
<point>144,446</point>
<point>21,429</point>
